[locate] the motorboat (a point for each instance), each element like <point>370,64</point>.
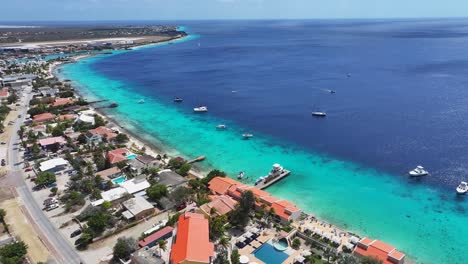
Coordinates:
<point>462,188</point>
<point>319,114</point>
<point>418,171</point>
<point>178,100</point>
<point>141,101</point>
<point>201,109</point>
<point>247,135</point>
<point>240,175</point>
<point>221,126</point>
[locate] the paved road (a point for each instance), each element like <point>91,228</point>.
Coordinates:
<point>64,252</point>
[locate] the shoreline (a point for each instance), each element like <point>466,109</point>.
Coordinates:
<point>139,140</point>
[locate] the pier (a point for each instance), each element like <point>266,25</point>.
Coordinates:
<point>267,182</point>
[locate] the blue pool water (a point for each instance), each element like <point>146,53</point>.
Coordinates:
<point>119,179</point>
<point>132,156</point>
<point>268,254</point>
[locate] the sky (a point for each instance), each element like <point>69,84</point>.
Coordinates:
<point>59,10</point>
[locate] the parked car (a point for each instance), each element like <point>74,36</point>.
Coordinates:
<point>50,185</point>
<point>76,233</point>
<point>3,142</point>
<point>49,201</point>
<point>52,206</point>
<point>28,169</point>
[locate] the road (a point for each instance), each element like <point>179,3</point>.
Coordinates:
<point>63,251</point>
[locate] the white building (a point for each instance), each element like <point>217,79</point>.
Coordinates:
<point>53,164</point>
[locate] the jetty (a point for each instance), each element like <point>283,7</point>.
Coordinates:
<point>197,159</point>
<point>275,175</point>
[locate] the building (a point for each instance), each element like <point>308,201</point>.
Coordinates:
<point>219,205</point>
<point>284,210</point>
<point>110,173</point>
<point>111,195</point>
<point>153,239</point>
<point>118,155</point>
<point>171,179</point>
<point>377,249</point>
<point>4,93</point>
<point>135,185</point>
<point>61,102</point>
<point>84,118</point>
<point>192,244</point>
<point>137,208</point>
<point>53,165</point>
<point>69,117</point>
<point>96,135</point>
<point>18,81</point>
<point>47,143</point>
<point>40,118</point>
<point>47,91</point>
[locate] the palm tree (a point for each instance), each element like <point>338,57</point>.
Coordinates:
<point>347,259</point>
<point>162,246</point>
<point>329,253</point>
<point>224,242</point>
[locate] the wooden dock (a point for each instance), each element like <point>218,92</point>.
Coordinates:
<point>262,185</point>
<point>197,159</point>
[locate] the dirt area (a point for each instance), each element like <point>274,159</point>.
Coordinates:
<point>12,116</point>
<point>20,227</point>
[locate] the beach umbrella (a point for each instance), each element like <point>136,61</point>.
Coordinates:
<point>241,239</point>
<point>299,259</point>
<point>248,234</point>
<point>306,253</point>
<point>244,259</point>
<point>254,230</point>
<point>354,240</point>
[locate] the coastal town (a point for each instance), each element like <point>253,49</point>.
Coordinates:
<point>79,188</point>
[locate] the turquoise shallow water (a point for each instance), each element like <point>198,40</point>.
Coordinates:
<point>428,225</point>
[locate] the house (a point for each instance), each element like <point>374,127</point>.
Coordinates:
<point>377,249</point>
<point>85,116</point>
<point>66,117</point>
<point>39,129</point>
<point>111,196</point>
<point>110,173</point>
<point>43,117</point>
<point>171,179</point>
<point>192,244</point>
<point>96,135</point>
<point>219,205</point>
<point>53,165</point>
<point>284,210</point>
<point>47,143</point>
<point>4,93</point>
<point>46,91</point>
<point>61,102</point>
<point>153,239</point>
<point>135,185</point>
<point>148,160</point>
<point>118,155</point>
<point>137,208</point>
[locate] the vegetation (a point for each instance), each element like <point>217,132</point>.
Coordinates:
<point>181,195</point>
<point>98,121</point>
<point>13,253</point>
<point>217,227</point>
<point>235,257</point>
<point>296,243</point>
<point>124,248</point>
<point>156,192</point>
<point>241,214</point>
<point>121,138</point>
<point>211,175</point>
<point>45,177</point>
<point>370,260</point>
<point>184,169</point>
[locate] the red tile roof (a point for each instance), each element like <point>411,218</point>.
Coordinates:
<point>379,250</point>
<point>109,172</point>
<point>192,243</point>
<point>156,236</point>
<point>52,140</point>
<point>220,185</point>
<point>4,93</point>
<point>66,117</point>
<point>117,155</point>
<point>103,131</point>
<point>221,203</point>
<point>43,117</point>
<point>62,101</point>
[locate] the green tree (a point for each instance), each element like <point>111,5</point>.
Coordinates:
<point>221,257</point>
<point>12,98</point>
<point>156,192</point>
<point>45,177</point>
<point>181,195</point>
<point>98,222</point>
<point>54,190</point>
<point>241,215</point>
<point>370,260</point>
<point>2,215</point>
<point>162,244</point>
<point>121,138</point>
<point>13,253</point>
<point>124,248</point>
<point>296,243</point>
<point>217,227</point>
<point>184,169</point>
<point>98,121</point>
<point>235,257</point>
<point>82,139</point>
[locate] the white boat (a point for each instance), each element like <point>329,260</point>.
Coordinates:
<point>418,171</point>
<point>201,109</point>
<point>276,174</point>
<point>241,175</point>
<point>221,126</point>
<point>247,135</point>
<point>319,114</point>
<point>141,101</point>
<point>462,188</point>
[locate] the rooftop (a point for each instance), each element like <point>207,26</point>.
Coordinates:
<point>156,236</point>
<point>137,205</point>
<point>105,174</point>
<point>62,101</point>
<point>50,164</point>
<point>135,185</point>
<point>43,117</point>
<point>52,140</point>
<point>378,249</point>
<point>118,155</point>
<point>220,203</point>
<point>103,131</point>
<point>170,178</point>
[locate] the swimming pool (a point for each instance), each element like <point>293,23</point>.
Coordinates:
<point>268,254</point>
<point>132,156</point>
<point>119,179</point>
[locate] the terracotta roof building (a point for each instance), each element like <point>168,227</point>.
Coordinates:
<point>104,132</point>
<point>43,117</point>
<point>377,249</point>
<point>61,102</point>
<point>118,155</point>
<point>192,243</point>
<point>66,117</point>
<point>152,239</point>
<point>4,93</point>
<point>110,173</point>
<point>220,204</point>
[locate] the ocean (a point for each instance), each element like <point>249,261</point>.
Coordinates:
<point>400,101</point>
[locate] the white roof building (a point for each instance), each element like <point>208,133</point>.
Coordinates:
<point>135,185</point>
<point>52,164</point>
<point>86,119</point>
<point>137,205</point>
<point>113,194</point>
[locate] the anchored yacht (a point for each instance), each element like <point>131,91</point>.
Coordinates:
<point>462,188</point>
<point>319,114</point>
<point>418,171</point>
<point>201,109</point>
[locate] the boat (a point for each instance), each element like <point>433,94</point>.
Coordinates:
<point>276,174</point>
<point>247,135</point>
<point>221,126</point>
<point>319,114</point>
<point>240,175</point>
<point>462,188</point>
<point>178,100</point>
<point>332,91</point>
<point>113,105</point>
<point>201,109</point>
<point>141,101</point>
<point>418,171</point>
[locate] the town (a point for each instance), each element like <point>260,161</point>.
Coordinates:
<point>105,196</point>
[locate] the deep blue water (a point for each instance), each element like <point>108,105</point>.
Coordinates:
<point>403,105</point>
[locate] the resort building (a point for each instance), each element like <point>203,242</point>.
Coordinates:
<point>110,174</point>
<point>53,165</point>
<point>192,244</point>
<point>154,238</point>
<point>284,210</point>
<point>219,205</point>
<point>96,135</point>
<point>46,143</point>
<point>43,117</point>
<point>118,155</point>
<point>84,118</point>
<point>137,208</point>
<point>377,249</point>
<point>61,102</point>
